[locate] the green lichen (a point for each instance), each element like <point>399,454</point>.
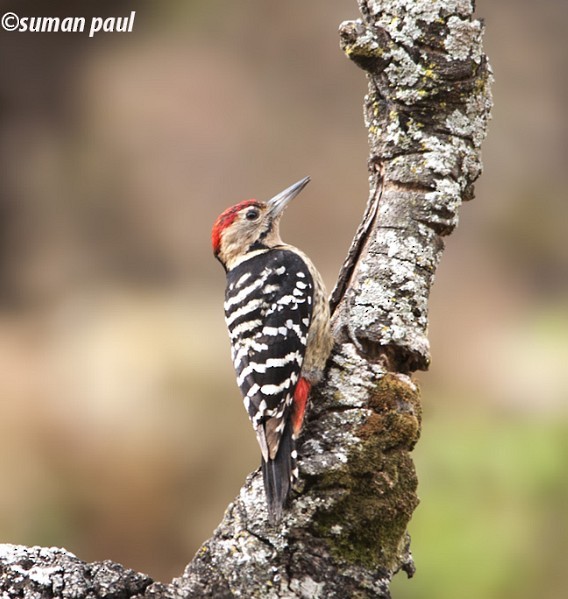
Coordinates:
<point>367,524</point>
<point>367,48</point>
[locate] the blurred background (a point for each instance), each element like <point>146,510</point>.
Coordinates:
<point>122,433</point>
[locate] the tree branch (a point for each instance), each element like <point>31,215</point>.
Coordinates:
<point>345,532</point>
<point>426,112</point>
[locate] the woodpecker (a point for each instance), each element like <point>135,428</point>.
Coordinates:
<point>277,314</point>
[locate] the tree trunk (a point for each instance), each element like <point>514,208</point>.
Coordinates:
<point>345,532</point>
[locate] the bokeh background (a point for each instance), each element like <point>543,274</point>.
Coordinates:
<point>122,434</point>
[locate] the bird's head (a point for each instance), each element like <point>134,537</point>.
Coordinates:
<point>251,225</point>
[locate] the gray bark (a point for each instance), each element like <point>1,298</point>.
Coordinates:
<point>345,532</point>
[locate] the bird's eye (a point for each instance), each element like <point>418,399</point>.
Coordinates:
<point>252,214</point>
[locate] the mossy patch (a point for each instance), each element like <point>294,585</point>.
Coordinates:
<point>367,524</point>
<point>396,416</point>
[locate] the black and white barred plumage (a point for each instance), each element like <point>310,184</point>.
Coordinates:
<point>278,320</point>
<point>268,306</point>
<point>268,309</point>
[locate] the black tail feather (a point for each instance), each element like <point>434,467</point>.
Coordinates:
<point>279,474</point>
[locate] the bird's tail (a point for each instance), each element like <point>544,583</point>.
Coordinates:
<point>279,475</point>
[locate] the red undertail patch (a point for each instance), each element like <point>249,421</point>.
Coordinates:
<point>301,395</point>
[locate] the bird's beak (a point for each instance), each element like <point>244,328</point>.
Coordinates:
<point>279,202</point>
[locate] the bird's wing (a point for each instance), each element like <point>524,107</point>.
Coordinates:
<point>268,310</point>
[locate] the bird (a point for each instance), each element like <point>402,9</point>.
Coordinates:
<point>278,318</point>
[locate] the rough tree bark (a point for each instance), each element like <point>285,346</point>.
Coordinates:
<point>345,534</point>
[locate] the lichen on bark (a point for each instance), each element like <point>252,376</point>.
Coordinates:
<point>426,112</point>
